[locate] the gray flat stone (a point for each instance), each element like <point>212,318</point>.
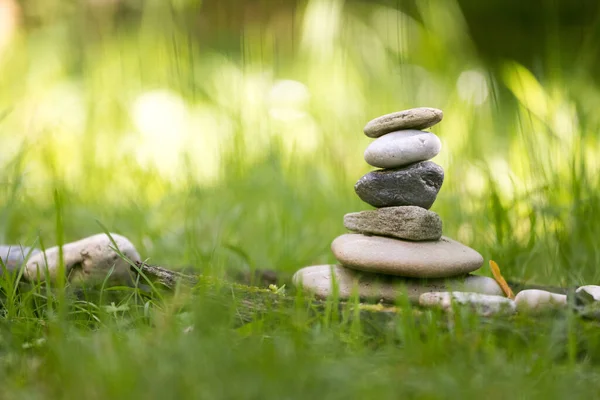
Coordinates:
<point>318,279</point>
<point>440,259</point>
<point>483,304</point>
<point>407,222</point>
<point>398,149</point>
<point>414,118</point>
<point>414,185</point>
<point>13,255</point>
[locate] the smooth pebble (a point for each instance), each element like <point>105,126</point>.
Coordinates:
<point>401,148</point>
<point>535,300</point>
<point>440,259</point>
<point>414,185</point>
<point>593,290</point>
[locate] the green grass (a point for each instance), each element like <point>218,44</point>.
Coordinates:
<point>204,159</point>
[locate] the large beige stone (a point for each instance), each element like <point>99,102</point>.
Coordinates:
<point>405,222</point>
<point>86,261</point>
<point>318,279</point>
<point>414,118</point>
<point>440,259</point>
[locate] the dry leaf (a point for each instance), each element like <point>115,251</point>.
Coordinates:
<point>501,281</point>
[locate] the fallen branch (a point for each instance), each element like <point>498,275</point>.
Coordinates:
<point>169,278</point>
<point>252,301</point>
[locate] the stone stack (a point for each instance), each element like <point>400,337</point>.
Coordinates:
<point>398,247</point>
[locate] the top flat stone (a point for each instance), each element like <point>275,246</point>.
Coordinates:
<point>415,118</point>
<point>440,259</point>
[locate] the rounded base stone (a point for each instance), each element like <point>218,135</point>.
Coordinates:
<point>318,279</point>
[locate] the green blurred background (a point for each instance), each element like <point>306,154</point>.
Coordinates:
<point>227,135</point>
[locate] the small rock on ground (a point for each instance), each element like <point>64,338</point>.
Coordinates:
<point>535,300</point>
<point>593,290</point>
<point>484,305</point>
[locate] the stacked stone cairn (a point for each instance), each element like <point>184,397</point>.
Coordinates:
<point>398,247</point>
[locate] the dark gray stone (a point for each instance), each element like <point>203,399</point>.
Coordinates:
<point>13,255</point>
<point>407,222</point>
<point>414,185</point>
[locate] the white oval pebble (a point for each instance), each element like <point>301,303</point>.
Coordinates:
<point>591,289</point>
<point>534,299</point>
<point>401,148</point>
<point>88,260</point>
<point>483,304</point>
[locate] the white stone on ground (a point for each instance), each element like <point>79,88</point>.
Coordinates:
<point>484,305</point>
<point>88,260</point>
<point>318,279</point>
<point>535,300</point>
<point>401,148</point>
<point>592,290</point>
